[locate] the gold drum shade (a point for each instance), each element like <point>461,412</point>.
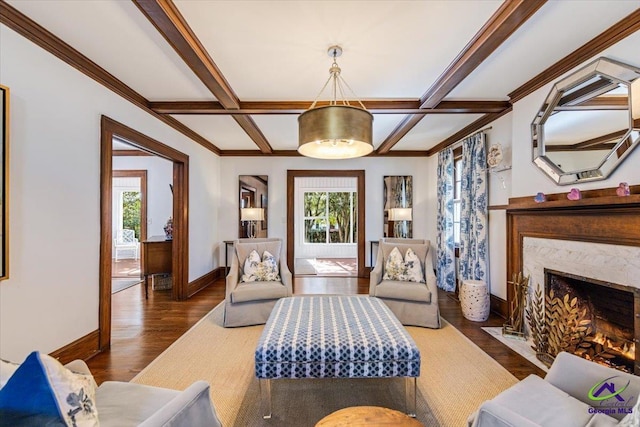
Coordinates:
<point>335,132</point>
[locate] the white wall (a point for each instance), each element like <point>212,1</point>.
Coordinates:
<point>159,197</point>
<point>276,168</point>
<point>51,296</point>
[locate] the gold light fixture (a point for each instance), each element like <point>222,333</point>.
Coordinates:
<point>338,130</point>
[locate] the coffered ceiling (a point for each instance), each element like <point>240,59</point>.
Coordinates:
<point>235,75</point>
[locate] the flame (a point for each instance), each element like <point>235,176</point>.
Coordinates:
<point>627,349</point>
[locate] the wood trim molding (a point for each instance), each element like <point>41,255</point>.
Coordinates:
<point>386,106</point>
<point>291,176</point>
<point>294,153</point>
<point>130,153</point>
<point>83,348</point>
<point>35,33</point>
<point>180,259</point>
<point>205,280</point>
<point>499,306</point>
<point>408,123</point>
<point>598,218</point>
<point>498,207</point>
<point>620,30</point>
<point>165,16</point>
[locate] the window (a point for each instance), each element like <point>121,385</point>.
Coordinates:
<point>329,217</point>
<point>457,187</point>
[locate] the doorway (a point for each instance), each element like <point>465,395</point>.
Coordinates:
<point>319,227</point>
<point>129,227</point>
<point>110,130</point>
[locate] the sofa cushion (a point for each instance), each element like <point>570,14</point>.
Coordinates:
<point>43,392</point>
<point>254,291</point>
<point>540,402</point>
<point>256,270</point>
<point>403,291</point>
<point>126,404</point>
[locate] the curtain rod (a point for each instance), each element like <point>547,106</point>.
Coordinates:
<point>459,143</point>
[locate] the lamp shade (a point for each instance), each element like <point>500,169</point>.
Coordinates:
<point>335,132</point>
<point>400,214</point>
<point>252,214</point>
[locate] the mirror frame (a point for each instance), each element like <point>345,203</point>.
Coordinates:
<point>603,67</point>
<point>253,191</point>
<point>391,200</point>
<point>4,187</point>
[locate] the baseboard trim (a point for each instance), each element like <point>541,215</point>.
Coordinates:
<point>205,280</point>
<point>83,348</point>
<point>499,306</point>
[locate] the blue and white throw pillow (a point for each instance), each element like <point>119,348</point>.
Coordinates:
<point>43,392</point>
<point>408,269</point>
<point>260,271</point>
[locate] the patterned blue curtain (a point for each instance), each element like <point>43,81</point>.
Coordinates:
<point>445,265</point>
<point>474,239</point>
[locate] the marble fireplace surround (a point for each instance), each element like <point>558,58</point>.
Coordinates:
<point>597,237</point>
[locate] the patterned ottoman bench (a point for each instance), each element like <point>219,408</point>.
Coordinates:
<point>335,337</point>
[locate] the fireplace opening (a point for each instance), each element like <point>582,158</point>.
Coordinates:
<point>593,319</point>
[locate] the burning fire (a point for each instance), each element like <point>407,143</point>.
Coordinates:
<point>623,348</point>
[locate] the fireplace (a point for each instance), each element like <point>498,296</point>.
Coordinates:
<point>597,237</point>
<point>596,318</point>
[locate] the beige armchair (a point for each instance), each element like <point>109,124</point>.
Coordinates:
<point>413,303</point>
<point>251,303</point>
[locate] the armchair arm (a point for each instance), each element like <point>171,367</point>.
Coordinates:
<point>78,366</point>
<point>286,276</point>
<point>192,407</point>
<point>233,277</point>
<point>430,277</point>
<point>375,276</point>
<point>492,414</point>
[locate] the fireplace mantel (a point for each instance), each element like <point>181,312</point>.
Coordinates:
<point>600,217</point>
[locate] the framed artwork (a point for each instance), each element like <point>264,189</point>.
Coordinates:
<point>397,195</point>
<point>4,184</point>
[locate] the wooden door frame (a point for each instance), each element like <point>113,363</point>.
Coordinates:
<point>291,176</point>
<point>180,262</point>
<point>142,174</point>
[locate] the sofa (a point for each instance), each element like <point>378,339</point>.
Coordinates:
<point>575,392</point>
<point>40,391</point>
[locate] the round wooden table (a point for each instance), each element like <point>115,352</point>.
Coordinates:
<point>368,416</point>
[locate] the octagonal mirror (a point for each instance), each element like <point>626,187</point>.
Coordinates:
<point>589,123</point>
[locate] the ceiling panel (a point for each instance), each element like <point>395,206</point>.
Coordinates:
<point>280,130</point>
<point>433,129</point>
<point>222,131</point>
<point>276,50</point>
<point>119,38</point>
<point>555,31</point>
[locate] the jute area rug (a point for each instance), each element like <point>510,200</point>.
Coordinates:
<point>456,377</point>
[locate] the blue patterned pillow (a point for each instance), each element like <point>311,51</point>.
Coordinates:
<point>43,392</point>
<point>260,271</point>
<point>408,269</point>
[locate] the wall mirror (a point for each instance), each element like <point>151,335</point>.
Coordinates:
<point>589,123</point>
<point>253,203</point>
<point>4,183</point>
<point>398,206</point>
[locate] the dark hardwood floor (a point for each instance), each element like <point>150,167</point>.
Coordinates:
<point>144,329</point>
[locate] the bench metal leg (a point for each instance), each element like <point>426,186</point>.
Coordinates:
<point>265,397</point>
<point>410,396</point>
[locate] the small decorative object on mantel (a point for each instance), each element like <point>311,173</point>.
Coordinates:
<point>574,194</point>
<point>623,189</point>
<point>540,198</point>
<point>168,229</point>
